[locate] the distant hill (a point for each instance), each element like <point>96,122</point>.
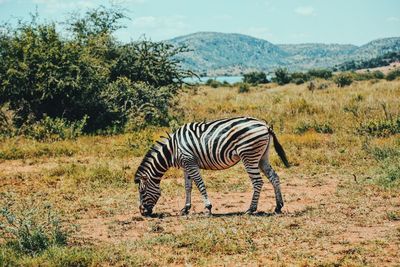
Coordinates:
<point>222,53</point>
<point>230,53</point>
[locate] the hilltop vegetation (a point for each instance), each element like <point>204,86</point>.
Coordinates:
<point>379,61</point>
<point>221,53</point>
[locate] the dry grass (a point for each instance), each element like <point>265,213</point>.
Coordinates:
<point>342,194</point>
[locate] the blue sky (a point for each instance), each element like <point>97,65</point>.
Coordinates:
<point>278,21</point>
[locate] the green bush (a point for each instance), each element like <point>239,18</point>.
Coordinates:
<point>367,75</point>
<point>255,77</point>
<point>45,74</point>
<point>343,79</point>
<point>30,233</point>
<point>303,127</point>
<point>49,129</point>
<point>389,175</point>
<point>244,88</point>
<point>380,128</point>
<point>213,83</point>
<point>282,76</point>
<point>393,75</point>
<point>320,73</point>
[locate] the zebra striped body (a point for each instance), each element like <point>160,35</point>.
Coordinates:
<point>217,145</point>
<point>214,145</point>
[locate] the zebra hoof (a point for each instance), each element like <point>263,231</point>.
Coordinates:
<point>207,210</point>
<point>185,211</point>
<point>278,211</point>
<point>207,213</point>
<point>250,211</point>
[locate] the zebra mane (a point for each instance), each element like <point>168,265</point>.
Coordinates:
<point>155,148</point>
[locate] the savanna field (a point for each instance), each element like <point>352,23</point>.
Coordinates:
<point>342,204</point>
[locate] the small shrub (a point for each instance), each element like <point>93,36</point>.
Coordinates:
<point>303,127</point>
<point>244,88</point>
<point>323,128</point>
<point>390,174</point>
<point>311,86</point>
<point>282,76</point>
<point>380,128</point>
<point>30,233</point>
<point>213,83</point>
<point>393,75</point>
<point>383,153</point>
<point>49,129</point>
<point>323,86</point>
<point>343,79</point>
<point>393,215</point>
<point>255,77</point>
<point>378,74</point>
<point>320,73</point>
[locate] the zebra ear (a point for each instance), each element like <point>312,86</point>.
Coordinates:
<point>158,142</point>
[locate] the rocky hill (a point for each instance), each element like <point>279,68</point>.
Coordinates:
<point>230,53</point>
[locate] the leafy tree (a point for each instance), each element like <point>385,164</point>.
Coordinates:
<point>299,77</point>
<point>45,75</point>
<point>343,79</point>
<point>282,76</point>
<point>393,75</point>
<point>320,73</point>
<point>255,77</point>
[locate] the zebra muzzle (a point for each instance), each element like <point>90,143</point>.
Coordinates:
<point>145,211</point>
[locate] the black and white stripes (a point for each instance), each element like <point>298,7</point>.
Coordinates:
<point>214,145</point>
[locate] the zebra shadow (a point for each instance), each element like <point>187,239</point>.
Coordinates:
<point>241,213</point>
<point>162,215</point>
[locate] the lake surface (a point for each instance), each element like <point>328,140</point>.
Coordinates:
<point>228,79</point>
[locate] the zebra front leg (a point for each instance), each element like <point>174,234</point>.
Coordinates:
<point>274,179</point>
<point>193,172</point>
<point>188,190</point>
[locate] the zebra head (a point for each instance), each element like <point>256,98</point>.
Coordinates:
<point>148,176</point>
<point>149,193</point>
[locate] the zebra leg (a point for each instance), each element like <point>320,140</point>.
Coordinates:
<point>188,189</point>
<point>256,180</point>
<point>193,172</point>
<point>274,179</point>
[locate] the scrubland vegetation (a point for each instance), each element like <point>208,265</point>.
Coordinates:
<point>73,202</point>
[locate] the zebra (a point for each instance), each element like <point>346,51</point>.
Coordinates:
<point>213,145</point>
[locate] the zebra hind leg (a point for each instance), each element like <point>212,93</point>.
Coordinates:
<point>256,180</point>
<point>274,179</point>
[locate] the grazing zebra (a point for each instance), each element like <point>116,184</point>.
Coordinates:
<point>214,145</point>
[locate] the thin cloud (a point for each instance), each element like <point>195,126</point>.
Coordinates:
<point>53,6</point>
<point>160,28</point>
<point>222,17</point>
<point>258,32</point>
<point>305,11</point>
<point>120,2</point>
<point>393,19</point>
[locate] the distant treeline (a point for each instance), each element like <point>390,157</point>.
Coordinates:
<point>282,76</point>
<point>381,61</point>
<point>84,80</point>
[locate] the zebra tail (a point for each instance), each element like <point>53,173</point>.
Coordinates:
<point>279,149</point>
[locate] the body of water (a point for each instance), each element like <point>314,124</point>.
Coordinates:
<point>228,79</point>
